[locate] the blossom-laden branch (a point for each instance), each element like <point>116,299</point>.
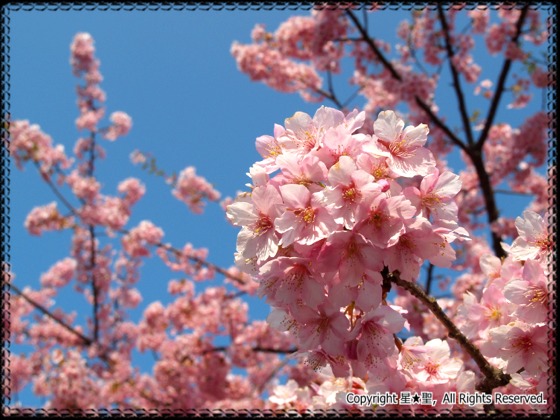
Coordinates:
<point>493,377</point>
<point>471,148</point>
<point>326,240</point>
<point>395,74</point>
<point>86,341</point>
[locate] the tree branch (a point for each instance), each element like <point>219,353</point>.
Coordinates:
<point>493,377</point>
<point>429,278</point>
<point>455,75</point>
<point>92,258</point>
<point>501,84</point>
<point>87,341</point>
<point>489,198</point>
<point>197,260</point>
<point>55,190</point>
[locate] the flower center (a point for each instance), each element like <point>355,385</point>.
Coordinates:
<point>537,295</point>
<point>494,313</point>
<point>379,171</point>
<point>431,368</point>
<point>544,243</point>
<point>263,224</point>
<point>406,243</point>
<point>350,194</point>
<point>431,200</point>
<point>307,214</point>
<point>377,218</point>
<point>523,343</point>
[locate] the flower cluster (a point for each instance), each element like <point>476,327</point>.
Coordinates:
<point>326,216</point>
<point>192,189</point>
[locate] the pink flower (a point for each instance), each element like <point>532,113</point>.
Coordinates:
<point>366,296</point>
<point>133,190</point>
<point>492,311</point>
<point>480,18</point>
<point>137,157</point>
<point>120,127</point>
<point>435,197</point>
<point>86,188</point>
<point>349,186</point>
<point>407,156</point>
<point>419,242</point>
<point>82,53</point>
<point>289,281</point>
<point>540,77</point>
<point>44,218</point>
<point>376,329</point>
<point>412,351</point>
<point>338,142</point>
<point>59,274</point>
<point>193,189</point>
<point>382,218</point>
<point>436,365</point>
<point>308,171</point>
<point>305,220</point>
<point>134,243</point>
<point>530,293</point>
<point>28,142</point>
<point>349,254</point>
<point>533,241</point>
<point>269,148</point>
<point>285,395</point>
<point>258,236</point>
<point>326,326</point>
<point>521,346</point>
<point>89,118</point>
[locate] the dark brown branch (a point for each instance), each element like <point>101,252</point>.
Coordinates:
<point>277,351</point>
<point>500,86</point>
<point>489,198</point>
<point>333,96</point>
<point>455,75</point>
<point>87,341</point>
<point>373,47</point>
<point>95,290</point>
<point>329,95</point>
<point>92,258</point>
<point>55,190</point>
<point>493,377</point>
<point>257,349</point>
<point>429,278</point>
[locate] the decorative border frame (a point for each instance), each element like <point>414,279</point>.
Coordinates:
<point>551,96</point>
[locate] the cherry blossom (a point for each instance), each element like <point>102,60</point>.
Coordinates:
<point>407,156</point>
<point>533,241</point>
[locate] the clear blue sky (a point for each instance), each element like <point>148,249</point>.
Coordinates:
<point>172,72</point>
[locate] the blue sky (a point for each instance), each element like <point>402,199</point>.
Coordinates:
<point>173,73</point>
